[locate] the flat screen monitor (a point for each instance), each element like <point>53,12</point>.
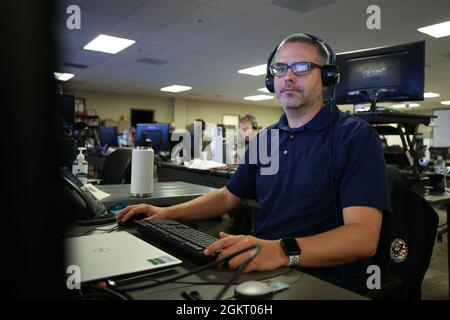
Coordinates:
<point>397,70</point>
<point>155,136</point>
<point>157,132</point>
<point>108,136</point>
<point>435,152</point>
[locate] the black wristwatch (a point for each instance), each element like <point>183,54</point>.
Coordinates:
<point>292,250</point>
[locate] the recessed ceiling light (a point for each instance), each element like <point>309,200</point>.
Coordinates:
<point>430,95</point>
<point>438,30</point>
<point>176,88</point>
<point>446,102</point>
<point>254,71</point>
<point>264,90</point>
<point>399,106</point>
<point>413,105</point>
<point>258,97</point>
<point>63,76</point>
<point>108,44</point>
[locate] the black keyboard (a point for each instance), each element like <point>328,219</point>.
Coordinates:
<point>178,237</point>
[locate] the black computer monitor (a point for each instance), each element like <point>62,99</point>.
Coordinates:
<point>397,70</point>
<point>108,136</point>
<point>435,152</point>
<point>157,132</point>
<point>155,136</point>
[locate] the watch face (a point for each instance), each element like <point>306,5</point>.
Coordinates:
<point>290,246</point>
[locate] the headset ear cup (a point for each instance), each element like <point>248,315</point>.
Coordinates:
<point>330,75</point>
<point>336,74</point>
<point>270,84</point>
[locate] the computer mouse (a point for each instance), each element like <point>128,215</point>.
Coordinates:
<point>251,290</point>
<point>131,220</point>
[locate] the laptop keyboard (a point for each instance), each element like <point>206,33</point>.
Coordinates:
<point>176,236</point>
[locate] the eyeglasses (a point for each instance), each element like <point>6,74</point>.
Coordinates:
<point>298,68</point>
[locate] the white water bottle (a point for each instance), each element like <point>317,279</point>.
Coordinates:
<point>142,160</point>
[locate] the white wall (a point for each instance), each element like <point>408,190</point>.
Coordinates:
<point>171,110</point>
<point>110,105</point>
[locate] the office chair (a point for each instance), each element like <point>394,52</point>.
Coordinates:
<point>406,241</point>
<point>117,167</point>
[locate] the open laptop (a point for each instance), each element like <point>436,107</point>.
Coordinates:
<point>114,254</point>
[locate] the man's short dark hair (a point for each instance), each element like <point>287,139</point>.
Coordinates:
<point>303,38</point>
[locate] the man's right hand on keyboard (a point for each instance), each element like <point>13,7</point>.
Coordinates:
<point>155,213</point>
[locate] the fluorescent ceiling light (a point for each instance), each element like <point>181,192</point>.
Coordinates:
<point>446,102</point>
<point>108,44</point>
<point>258,97</point>
<point>63,76</point>
<point>176,88</point>
<point>254,71</point>
<point>413,105</point>
<point>264,90</point>
<point>437,30</point>
<point>430,95</point>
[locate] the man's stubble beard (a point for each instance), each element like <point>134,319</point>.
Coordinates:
<point>304,103</point>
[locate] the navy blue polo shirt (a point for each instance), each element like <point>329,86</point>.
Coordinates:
<point>297,201</point>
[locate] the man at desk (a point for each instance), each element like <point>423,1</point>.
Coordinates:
<point>322,210</point>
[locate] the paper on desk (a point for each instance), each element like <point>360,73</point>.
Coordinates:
<point>99,194</point>
<point>204,164</point>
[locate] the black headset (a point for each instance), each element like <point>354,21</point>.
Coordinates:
<point>330,73</point>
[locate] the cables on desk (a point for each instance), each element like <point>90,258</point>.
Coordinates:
<point>238,272</point>
<point>195,283</point>
<point>92,292</point>
<point>99,229</point>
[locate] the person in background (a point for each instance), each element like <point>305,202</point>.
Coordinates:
<point>248,129</point>
<point>129,135</point>
<point>248,126</point>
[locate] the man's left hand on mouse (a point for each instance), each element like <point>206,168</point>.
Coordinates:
<point>270,257</point>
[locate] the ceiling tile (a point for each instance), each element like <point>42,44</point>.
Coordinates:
<point>203,19</point>
<point>92,22</point>
<point>132,29</point>
<point>238,6</point>
<point>163,11</point>
<point>88,57</point>
<point>160,39</point>
<point>118,8</point>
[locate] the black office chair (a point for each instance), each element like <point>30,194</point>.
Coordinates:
<point>117,167</point>
<point>406,241</point>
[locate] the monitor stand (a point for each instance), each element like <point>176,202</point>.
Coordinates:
<point>406,128</point>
